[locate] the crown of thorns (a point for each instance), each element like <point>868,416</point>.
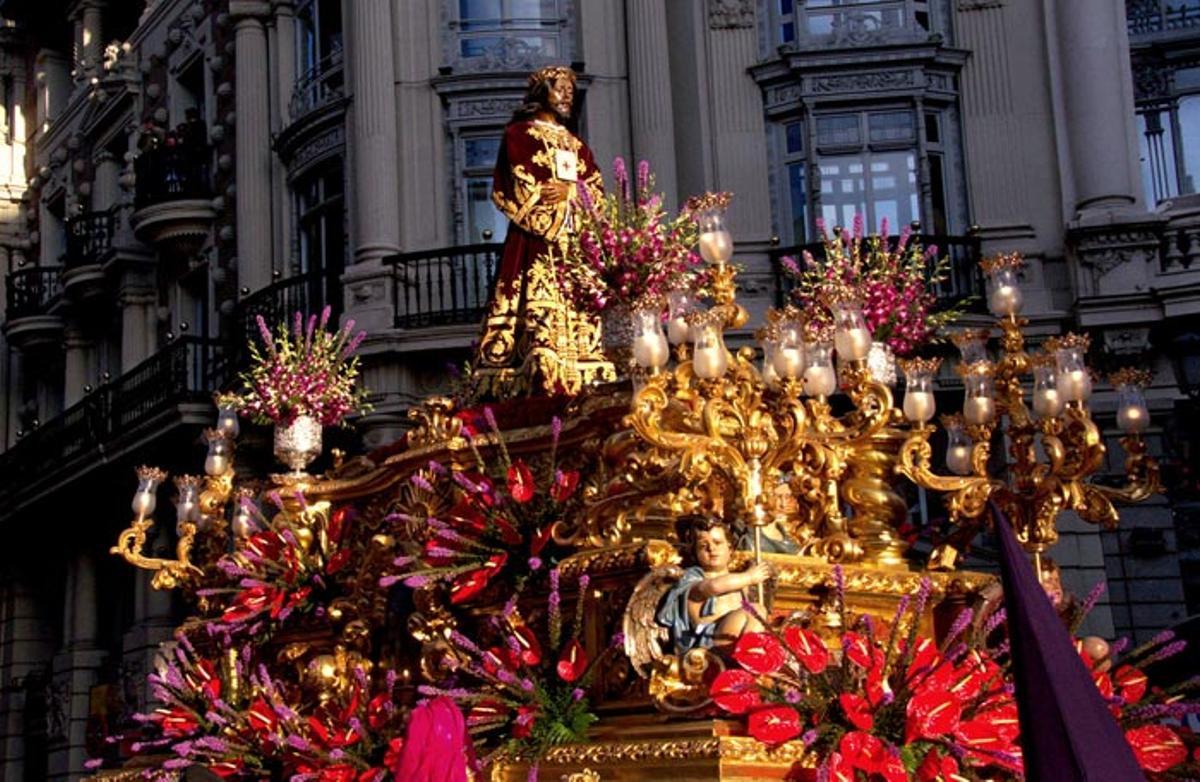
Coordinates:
<point>551,73</point>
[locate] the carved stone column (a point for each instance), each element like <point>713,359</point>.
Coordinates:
<point>253,141</point>
<point>92,35</point>
<point>372,120</point>
<point>27,635</point>
<point>79,370</point>
<point>75,669</point>
<point>651,115</point>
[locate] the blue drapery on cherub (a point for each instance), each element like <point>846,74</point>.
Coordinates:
<point>673,614</point>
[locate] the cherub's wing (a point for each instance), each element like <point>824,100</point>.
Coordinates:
<point>644,636</point>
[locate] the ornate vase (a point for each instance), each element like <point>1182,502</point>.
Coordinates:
<point>617,329</point>
<point>298,443</point>
<point>881,361</point>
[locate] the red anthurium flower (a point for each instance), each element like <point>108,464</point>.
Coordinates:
<point>892,769</point>
<point>937,767</point>
<point>261,717</point>
<point>878,687</point>
<point>839,770</point>
<point>735,691</point>
<point>493,659</point>
<point>394,756</point>
<point>857,649</point>
<point>565,483</point>
<point>248,603</point>
<point>857,710</point>
<point>1156,747</point>
<point>297,597</point>
<point>759,653</point>
<point>520,482</point>
<point>277,598</point>
<point>227,769</point>
<point>931,714</point>
<point>338,773</point>
<point>774,724</point>
<point>372,775</point>
<point>862,751</point>
<point>531,650</point>
<point>523,726</point>
<point>808,647</point>
<point>540,540</point>
<point>203,678</point>
<point>1003,720</point>
<point>337,561</point>
<point>176,722</point>
<point>466,586</point>
<point>265,545</point>
<point>435,553</point>
<point>1103,683</point>
<point>925,656</point>
<point>378,711</point>
<point>984,739</point>
<point>467,518</point>
<point>1131,683</point>
<point>337,524</point>
<point>508,533</point>
<point>486,711</point>
<point>572,662</point>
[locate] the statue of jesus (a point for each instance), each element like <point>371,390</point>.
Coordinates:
<point>534,341</point>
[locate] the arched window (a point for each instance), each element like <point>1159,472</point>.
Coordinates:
<point>509,32</point>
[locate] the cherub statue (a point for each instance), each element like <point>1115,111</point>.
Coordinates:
<point>774,536</point>
<point>704,608</point>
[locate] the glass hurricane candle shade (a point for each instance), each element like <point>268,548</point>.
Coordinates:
<point>1046,400</point>
<point>1072,377</point>
<point>709,359</point>
<point>219,458</point>
<point>1132,415</point>
<point>679,304</point>
<point>819,378</point>
<point>978,405</point>
<point>958,451</point>
<point>716,244</point>
<point>769,376</point>
<point>187,500</point>
<point>919,405</point>
<point>789,355</point>
<point>1004,293</point>
<point>144,499</point>
<point>227,421</point>
<point>851,337</point>
<point>650,349</point>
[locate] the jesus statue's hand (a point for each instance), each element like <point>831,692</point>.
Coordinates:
<point>556,192</point>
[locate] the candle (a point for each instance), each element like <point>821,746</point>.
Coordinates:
<point>1133,418</point>
<point>716,246</point>
<point>216,464</point>
<point>1046,402</point>
<point>143,503</point>
<point>769,375</point>
<point>852,344</point>
<point>789,361</point>
<point>650,349</point>
<point>958,459</point>
<point>709,361</point>
<point>918,406</point>
<point>978,409</point>
<point>1075,385</point>
<point>819,380</point>
<point>1006,300</point>
<point>677,330</point>
<point>227,422</point>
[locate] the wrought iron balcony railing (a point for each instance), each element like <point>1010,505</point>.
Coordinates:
<point>31,290</point>
<point>89,238</point>
<point>321,85</point>
<point>445,286</point>
<point>172,173</point>
<point>964,279</point>
<point>1145,17</point>
<point>184,371</point>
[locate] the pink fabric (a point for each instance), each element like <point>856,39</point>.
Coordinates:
<point>436,747</point>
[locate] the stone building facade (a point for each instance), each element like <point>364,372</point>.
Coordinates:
<point>171,168</point>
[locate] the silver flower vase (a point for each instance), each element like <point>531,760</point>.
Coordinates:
<point>297,444</point>
<point>881,361</point>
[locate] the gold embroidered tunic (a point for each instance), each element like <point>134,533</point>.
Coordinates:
<point>534,342</point>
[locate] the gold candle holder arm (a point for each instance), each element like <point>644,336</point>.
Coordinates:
<point>168,573</point>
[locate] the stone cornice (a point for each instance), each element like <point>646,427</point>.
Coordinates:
<point>249,9</point>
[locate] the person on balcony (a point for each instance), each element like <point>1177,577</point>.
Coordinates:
<point>534,341</point>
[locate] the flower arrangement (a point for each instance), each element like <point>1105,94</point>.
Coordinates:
<point>893,284</point>
<point>489,531</point>
<point>306,371</point>
<point>883,703</point>
<point>530,684</point>
<point>627,247</point>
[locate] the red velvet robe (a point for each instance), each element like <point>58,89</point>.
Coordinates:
<point>534,341</point>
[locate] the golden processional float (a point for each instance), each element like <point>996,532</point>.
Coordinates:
<point>776,440</point>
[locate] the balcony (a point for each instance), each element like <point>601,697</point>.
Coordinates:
<point>1151,17</point>
<point>173,198</point>
<point>307,293</point>
<point>443,287</point>
<point>30,292</point>
<point>89,245</point>
<point>965,279</point>
<point>322,85</point>
<point>172,387</point>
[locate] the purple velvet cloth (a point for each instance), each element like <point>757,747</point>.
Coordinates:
<point>1067,731</point>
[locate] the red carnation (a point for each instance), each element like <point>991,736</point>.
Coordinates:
<point>1156,747</point>
<point>572,662</point>
<point>520,482</point>
<point>735,691</point>
<point>759,653</point>
<point>808,647</point>
<point>774,724</point>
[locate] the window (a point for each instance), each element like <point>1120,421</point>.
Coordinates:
<point>847,21</point>
<point>319,73</point>
<point>867,163</point>
<point>486,27</point>
<point>479,214</point>
<point>321,233</point>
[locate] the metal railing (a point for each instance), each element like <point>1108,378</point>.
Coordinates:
<point>445,286</point>
<point>89,238</point>
<point>172,173</point>
<point>184,371</point>
<point>1152,16</point>
<point>964,281</point>
<point>319,86</point>
<point>31,290</point>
